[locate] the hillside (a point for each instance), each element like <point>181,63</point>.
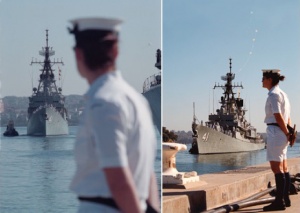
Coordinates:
<point>15,108</point>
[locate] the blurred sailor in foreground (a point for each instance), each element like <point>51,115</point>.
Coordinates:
<point>116,143</point>
<point>278,121</point>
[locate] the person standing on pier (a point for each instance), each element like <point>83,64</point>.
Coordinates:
<point>277,110</point>
<point>116,143</point>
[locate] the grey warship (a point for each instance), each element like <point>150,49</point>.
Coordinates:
<point>152,92</point>
<point>46,112</point>
<point>227,131</point>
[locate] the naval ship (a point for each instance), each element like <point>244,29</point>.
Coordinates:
<point>46,112</point>
<point>227,131</point>
<point>152,92</point>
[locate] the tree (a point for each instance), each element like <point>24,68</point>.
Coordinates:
<point>169,136</point>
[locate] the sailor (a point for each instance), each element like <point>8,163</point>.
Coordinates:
<point>116,143</point>
<point>277,111</point>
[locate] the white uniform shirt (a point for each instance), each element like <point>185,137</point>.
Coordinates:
<point>277,102</point>
<point>116,131</point>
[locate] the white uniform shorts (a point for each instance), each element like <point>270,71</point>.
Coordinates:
<point>276,144</point>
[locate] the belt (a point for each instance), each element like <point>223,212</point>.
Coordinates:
<point>100,200</point>
<point>111,202</point>
<point>273,124</point>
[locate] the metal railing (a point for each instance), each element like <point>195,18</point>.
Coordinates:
<point>151,81</point>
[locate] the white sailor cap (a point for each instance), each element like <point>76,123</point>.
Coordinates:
<point>271,71</point>
<point>107,24</point>
<point>95,30</point>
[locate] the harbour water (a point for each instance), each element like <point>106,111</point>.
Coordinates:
<point>35,173</point>
<point>213,163</point>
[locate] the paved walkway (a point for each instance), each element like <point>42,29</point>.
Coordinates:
<point>227,187</point>
<point>295,208</point>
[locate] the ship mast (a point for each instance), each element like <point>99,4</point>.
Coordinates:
<point>228,100</point>
<point>47,85</point>
<point>194,116</point>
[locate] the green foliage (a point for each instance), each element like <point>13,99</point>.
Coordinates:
<point>169,136</point>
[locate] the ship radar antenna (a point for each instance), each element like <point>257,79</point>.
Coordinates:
<point>158,59</point>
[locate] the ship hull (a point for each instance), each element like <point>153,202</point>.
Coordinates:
<point>47,121</point>
<point>153,95</point>
<point>211,141</point>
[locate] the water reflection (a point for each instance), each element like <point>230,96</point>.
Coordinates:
<point>204,164</point>
<point>229,160</point>
<point>37,173</point>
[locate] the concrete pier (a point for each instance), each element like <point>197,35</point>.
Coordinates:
<point>223,188</point>
<point>295,201</point>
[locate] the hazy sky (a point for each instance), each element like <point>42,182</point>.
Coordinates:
<point>199,37</point>
<point>22,35</point>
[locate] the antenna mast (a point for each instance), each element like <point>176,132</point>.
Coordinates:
<point>47,80</point>
<point>213,101</point>
<point>194,118</point>
<point>249,112</point>
<point>228,87</point>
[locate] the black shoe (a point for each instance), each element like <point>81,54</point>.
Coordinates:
<point>275,206</point>
<point>287,202</point>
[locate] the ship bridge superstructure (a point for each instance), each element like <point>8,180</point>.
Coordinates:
<point>231,114</point>
<point>228,101</point>
<point>47,92</point>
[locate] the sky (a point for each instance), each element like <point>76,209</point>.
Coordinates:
<point>22,36</point>
<point>199,37</point>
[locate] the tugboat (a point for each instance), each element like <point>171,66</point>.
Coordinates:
<point>152,92</point>
<point>46,112</point>
<point>10,130</point>
<point>227,131</point>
